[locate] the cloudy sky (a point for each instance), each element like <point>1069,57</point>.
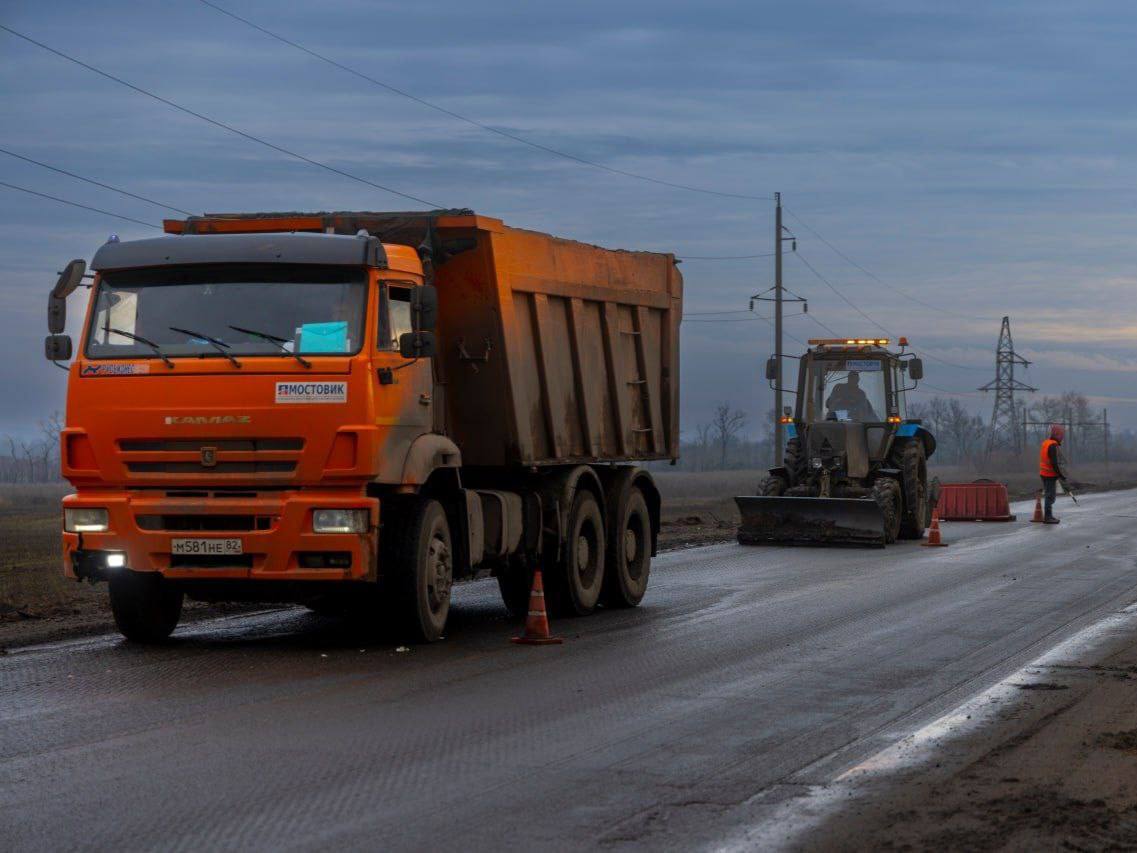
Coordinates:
<point>981,160</point>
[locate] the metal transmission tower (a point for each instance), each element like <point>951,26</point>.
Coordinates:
<point>1004,433</point>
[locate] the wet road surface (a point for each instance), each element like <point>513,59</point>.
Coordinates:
<point>747,674</point>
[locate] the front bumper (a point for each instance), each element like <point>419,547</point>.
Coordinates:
<point>274,528</point>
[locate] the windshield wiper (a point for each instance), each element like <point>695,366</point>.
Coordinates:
<point>157,349</point>
<point>273,339</point>
<point>218,345</point>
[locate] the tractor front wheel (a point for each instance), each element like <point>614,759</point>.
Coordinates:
<point>913,466</point>
<point>886,493</point>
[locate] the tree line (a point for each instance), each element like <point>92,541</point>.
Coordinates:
<point>32,460</point>
<point>721,442</point>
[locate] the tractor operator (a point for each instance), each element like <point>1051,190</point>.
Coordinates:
<point>852,399</point>
<point>1050,472</point>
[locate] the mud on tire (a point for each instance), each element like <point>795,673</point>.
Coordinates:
<point>913,466</point>
<point>886,493</point>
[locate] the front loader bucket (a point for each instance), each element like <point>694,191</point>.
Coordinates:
<point>810,521</point>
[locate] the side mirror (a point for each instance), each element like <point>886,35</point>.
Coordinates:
<point>56,314</point>
<point>424,308</point>
<point>417,344</point>
<point>771,369</point>
<point>57,347</point>
<point>68,281</point>
<point>915,369</point>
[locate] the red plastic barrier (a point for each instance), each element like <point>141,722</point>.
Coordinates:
<point>982,500</point>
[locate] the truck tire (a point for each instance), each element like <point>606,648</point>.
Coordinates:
<point>574,583</point>
<point>886,493</point>
<point>629,554</point>
<point>146,608</point>
<point>914,471</point>
<point>418,592</point>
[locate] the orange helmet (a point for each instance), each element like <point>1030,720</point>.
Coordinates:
<point>1057,433</point>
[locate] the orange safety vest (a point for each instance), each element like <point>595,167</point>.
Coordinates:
<point>1045,468</point>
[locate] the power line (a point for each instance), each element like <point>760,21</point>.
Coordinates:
<point>94,182</point>
<point>82,206</point>
<point>216,122</point>
<point>720,257</point>
<point>474,122</point>
<point>706,313</point>
<point>875,277</point>
<point>852,305</point>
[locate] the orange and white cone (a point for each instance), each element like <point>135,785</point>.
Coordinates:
<point>934,538</point>
<point>536,622</point>
<point>1037,519</point>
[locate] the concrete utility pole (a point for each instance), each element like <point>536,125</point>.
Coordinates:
<point>1003,433</point>
<point>778,438</point>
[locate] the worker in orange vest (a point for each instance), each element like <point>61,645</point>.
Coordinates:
<point>1050,472</point>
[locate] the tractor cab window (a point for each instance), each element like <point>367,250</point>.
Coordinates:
<point>847,390</point>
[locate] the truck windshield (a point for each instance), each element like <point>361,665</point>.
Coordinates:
<point>847,390</point>
<point>308,309</point>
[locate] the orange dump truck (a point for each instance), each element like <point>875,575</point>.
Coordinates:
<point>354,410</point>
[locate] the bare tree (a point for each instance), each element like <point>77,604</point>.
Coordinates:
<point>725,425</point>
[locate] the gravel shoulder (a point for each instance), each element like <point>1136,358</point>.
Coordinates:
<point>1051,766</point>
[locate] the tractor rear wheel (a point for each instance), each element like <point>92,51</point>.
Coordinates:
<point>913,466</point>
<point>886,493</point>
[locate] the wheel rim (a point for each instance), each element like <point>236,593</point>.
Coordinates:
<point>634,546</point>
<point>438,572</point>
<point>586,552</point>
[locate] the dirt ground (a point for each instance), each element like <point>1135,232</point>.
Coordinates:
<point>1055,770</point>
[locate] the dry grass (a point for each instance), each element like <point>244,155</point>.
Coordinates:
<point>31,579</point>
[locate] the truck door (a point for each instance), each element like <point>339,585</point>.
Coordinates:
<point>403,403</point>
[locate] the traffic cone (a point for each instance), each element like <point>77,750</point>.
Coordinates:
<point>934,539</point>
<point>1037,519</point>
<point>536,622</point>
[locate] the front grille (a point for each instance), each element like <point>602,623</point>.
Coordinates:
<point>180,523</point>
<point>194,445</point>
<point>205,457</point>
<point>218,468</point>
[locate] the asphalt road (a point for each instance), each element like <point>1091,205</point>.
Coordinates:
<point>746,674</point>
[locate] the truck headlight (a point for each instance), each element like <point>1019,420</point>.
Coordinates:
<point>340,520</point>
<point>86,520</point>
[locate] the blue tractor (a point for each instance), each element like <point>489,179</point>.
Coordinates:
<point>856,467</point>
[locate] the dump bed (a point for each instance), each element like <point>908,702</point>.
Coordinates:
<point>550,350</point>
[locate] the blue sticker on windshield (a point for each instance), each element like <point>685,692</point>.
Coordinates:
<point>324,337</point>
<point>862,364</point>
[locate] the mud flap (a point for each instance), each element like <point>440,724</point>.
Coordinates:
<point>810,521</point>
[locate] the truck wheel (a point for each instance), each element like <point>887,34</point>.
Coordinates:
<point>578,577</point>
<point>419,592</point>
<point>886,493</point>
<point>146,608</point>
<point>629,554</point>
<point>914,470</point>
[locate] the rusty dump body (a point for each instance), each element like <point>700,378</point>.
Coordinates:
<point>392,379</point>
<point>552,350</point>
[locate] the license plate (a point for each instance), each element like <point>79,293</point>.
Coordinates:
<point>206,547</point>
